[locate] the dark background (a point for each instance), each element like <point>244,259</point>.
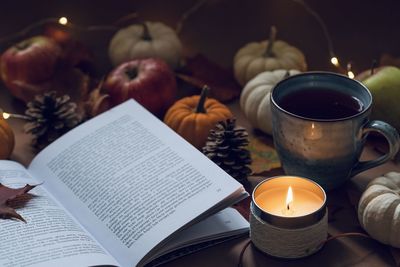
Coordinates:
<point>360,30</point>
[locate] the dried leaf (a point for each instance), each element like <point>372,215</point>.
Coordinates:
<point>264,156</point>
<point>97,102</point>
<point>7,194</point>
<point>200,71</point>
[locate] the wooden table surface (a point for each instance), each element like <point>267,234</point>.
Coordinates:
<point>349,251</point>
<point>361,31</point>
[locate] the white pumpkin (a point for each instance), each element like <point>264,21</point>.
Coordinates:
<point>148,39</point>
<point>257,57</point>
<point>255,97</point>
<point>379,209</point>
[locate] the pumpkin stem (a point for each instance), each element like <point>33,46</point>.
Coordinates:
<point>146,34</point>
<point>287,74</point>
<point>200,105</point>
<point>22,45</point>
<point>373,66</point>
<point>271,41</point>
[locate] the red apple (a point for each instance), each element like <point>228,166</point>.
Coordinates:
<point>150,82</point>
<point>32,61</point>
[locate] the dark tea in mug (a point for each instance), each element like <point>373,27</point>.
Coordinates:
<point>321,104</point>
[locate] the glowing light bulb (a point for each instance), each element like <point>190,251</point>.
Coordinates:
<point>6,115</point>
<point>289,197</point>
<point>349,72</point>
<point>63,21</point>
<point>335,61</point>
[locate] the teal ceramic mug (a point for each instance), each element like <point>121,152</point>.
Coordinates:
<point>320,124</point>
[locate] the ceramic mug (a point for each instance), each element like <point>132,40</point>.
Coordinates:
<point>320,124</point>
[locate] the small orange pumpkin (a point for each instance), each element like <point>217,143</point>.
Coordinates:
<point>7,139</point>
<point>193,117</point>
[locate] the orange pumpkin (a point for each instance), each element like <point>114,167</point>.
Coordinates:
<point>193,117</point>
<point>7,140</point>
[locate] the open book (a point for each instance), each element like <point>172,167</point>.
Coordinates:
<point>120,190</point>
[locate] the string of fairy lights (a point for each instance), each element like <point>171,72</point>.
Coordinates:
<point>67,24</point>
<point>63,21</point>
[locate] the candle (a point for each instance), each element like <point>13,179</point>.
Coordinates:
<point>289,201</point>
<point>288,210</point>
<point>275,201</point>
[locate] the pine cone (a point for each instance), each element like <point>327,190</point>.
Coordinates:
<point>50,117</point>
<point>226,147</point>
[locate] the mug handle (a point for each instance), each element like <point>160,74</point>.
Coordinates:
<point>393,139</point>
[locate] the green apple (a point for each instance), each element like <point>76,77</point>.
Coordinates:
<point>384,86</point>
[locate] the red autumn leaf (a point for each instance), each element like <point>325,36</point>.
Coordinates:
<point>7,194</point>
<point>200,71</point>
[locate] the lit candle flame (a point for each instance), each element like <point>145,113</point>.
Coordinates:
<point>63,21</point>
<point>289,197</point>
<point>335,61</point>
<point>6,115</point>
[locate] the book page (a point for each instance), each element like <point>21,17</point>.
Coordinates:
<point>131,181</point>
<point>227,222</point>
<point>223,226</point>
<point>50,237</point>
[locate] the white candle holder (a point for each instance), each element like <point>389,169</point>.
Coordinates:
<point>288,236</point>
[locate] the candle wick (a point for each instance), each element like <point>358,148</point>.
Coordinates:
<point>287,206</point>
